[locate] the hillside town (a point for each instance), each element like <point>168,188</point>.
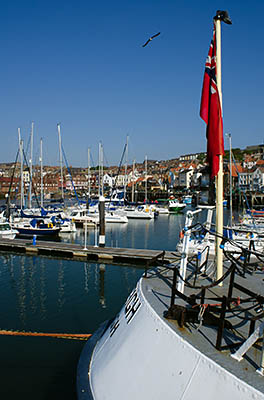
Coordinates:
<point>186,174</point>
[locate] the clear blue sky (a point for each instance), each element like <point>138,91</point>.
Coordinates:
<point>81,63</point>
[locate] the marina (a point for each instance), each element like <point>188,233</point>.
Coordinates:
<point>55,294</point>
<point>137,279</point>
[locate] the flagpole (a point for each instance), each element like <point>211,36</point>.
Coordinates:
<point>220,16</point>
<point>219,178</point>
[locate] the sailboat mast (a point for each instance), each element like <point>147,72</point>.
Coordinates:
<point>61,167</point>
<point>21,170</point>
<point>100,170</point>
<point>31,164</point>
<point>41,174</point>
<point>89,174</point>
<point>126,163</point>
<point>133,183</point>
<point>146,179</point>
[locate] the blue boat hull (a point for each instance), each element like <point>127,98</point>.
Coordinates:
<point>38,232</point>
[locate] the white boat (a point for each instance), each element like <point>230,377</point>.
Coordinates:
<point>252,223</point>
<point>6,231</point>
<point>162,210</point>
<point>199,244</point>
<point>93,218</point>
<point>117,216</point>
<point>67,226</point>
<point>139,212</point>
<point>81,216</point>
<point>174,341</point>
<point>176,206</point>
<point>202,240</point>
<point>157,209</point>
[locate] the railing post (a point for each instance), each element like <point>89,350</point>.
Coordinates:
<point>173,289</point>
<point>202,296</point>
<point>221,324</point>
<point>231,282</point>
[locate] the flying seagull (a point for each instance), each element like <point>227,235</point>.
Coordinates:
<point>152,37</point>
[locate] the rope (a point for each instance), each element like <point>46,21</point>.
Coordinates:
<point>77,336</point>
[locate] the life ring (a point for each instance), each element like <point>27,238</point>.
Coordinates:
<point>50,225</point>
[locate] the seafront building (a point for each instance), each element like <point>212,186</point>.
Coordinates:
<point>181,174</point>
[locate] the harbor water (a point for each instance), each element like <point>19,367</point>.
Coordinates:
<point>41,294</point>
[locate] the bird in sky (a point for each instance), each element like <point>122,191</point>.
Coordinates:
<point>149,40</point>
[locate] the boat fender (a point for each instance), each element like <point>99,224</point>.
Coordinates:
<point>181,234</point>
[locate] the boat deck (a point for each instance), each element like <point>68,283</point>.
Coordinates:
<point>157,290</point>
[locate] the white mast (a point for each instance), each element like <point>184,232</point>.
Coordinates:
<point>146,180</point>
<point>31,164</point>
<point>133,183</point>
<point>99,167</point>
<point>41,174</point>
<point>220,16</point>
<point>89,174</point>
<point>21,170</point>
<point>126,163</point>
<point>61,166</point>
<point>100,170</point>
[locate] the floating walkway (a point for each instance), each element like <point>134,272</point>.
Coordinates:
<point>91,253</point>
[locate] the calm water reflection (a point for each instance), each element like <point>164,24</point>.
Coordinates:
<point>47,295</point>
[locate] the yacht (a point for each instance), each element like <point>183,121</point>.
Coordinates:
<point>139,212</point>
<point>176,206</point>
<point>6,231</point>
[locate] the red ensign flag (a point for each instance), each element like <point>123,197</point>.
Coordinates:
<point>211,112</point>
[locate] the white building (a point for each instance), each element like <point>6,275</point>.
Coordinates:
<point>258,178</point>
<point>185,177</point>
<point>108,180</point>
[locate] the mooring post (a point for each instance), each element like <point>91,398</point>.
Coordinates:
<point>101,285</point>
<point>85,235</point>
<point>102,221</point>
<point>95,235</point>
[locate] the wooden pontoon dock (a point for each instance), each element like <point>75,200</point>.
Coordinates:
<point>91,253</point>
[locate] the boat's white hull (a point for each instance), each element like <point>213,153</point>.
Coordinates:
<point>6,231</point>
<point>141,357</point>
<point>175,206</point>
<point>139,215</point>
<point>9,235</point>
<point>162,210</point>
<point>68,227</point>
